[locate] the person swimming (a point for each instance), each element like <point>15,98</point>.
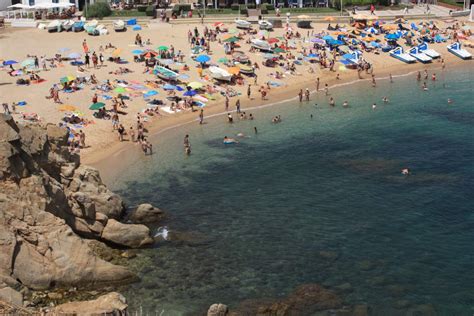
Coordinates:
<point>450,101</point>
<point>228,141</point>
<point>385,100</point>
<point>405,171</point>
<point>424,87</point>
<point>374,106</point>
<point>345,104</point>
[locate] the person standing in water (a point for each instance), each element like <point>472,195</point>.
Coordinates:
<point>237,106</point>
<point>317,84</point>
<point>187,145</point>
<point>201,116</point>
<point>306,93</point>
<point>300,95</point>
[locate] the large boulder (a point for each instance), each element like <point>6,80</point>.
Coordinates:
<point>146,213</point>
<point>11,296</point>
<point>218,310</point>
<point>130,235</point>
<point>110,304</point>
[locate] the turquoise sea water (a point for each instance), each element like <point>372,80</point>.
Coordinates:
<point>318,200</point>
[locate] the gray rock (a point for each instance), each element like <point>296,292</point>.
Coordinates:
<point>110,304</point>
<point>11,296</point>
<point>129,235</point>
<point>218,310</point>
<point>146,213</point>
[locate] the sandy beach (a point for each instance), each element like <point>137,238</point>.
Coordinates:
<point>102,141</point>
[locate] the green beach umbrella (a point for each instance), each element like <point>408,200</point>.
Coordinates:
<point>223,60</point>
<point>120,90</point>
<point>162,47</point>
<point>231,39</point>
<point>28,62</point>
<point>278,50</point>
<point>96,106</point>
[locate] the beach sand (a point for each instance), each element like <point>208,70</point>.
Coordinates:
<point>101,141</point>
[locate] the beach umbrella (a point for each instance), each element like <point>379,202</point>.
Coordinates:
<point>66,107</point>
<point>28,62</point>
<point>120,90</point>
<point>203,59</point>
<point>347,56</point>
<point>222,60</point>
<point>137,52</point>
<point>150,93</point>
<point>163,47</point>
<point>374,44</point>
<point>137,28</point>
<point>10,62</point>
<point>312,55</point>
<point>117,52</point>
<point>278,50</point>
<point>233,70</point>
<point>195,85</point>
<point>150,54</point>
<point>96,106</point>
<point>329,19</point>
<point>273,40</point>
<point>179,88</point>
<point>68,78</point>
<point>391,36</point>
<point>169,87</point>
<point>328,37</point>
<point>218,24</point>
<point>231,39</point>
<point>183,77</point>
<point>74,56</point>
<point>190,93</point>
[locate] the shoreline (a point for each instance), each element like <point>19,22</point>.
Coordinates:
<point>109,161</point>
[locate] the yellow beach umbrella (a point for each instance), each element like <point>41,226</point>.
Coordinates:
<point>233,70</point>
<point>195,85</point>
<point>117,52</point>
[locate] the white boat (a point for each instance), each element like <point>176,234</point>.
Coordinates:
<point>220,74</point>
<point>67,25</point>
<point>90,26</point>
<point>265,25</point>
<point>261,45</point>
<point>119,26</point>
<point>419,55</point>
<point>54,26</point>
<point>242,24</point>
<point>399,54</point>
<point>428,51</point>
<point>456,50</point>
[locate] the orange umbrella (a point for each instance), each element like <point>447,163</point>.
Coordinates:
<point>233,70</point>
<point>150,54</point>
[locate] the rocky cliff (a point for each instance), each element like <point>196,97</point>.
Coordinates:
<point>49,204</point>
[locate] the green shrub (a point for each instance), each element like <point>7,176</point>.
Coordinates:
<point>251,6</point>
<point>264,11</point>
<point>178,8</point>
<point>268,7</point>
<point>150,10</point>
<point>141,8</point>
<point>98,10</point>
<point>234,6</point>
<point>244,11</point>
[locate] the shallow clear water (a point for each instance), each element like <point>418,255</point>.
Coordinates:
<point>318,200</point>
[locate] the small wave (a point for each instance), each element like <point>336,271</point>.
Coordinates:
<point>162,232</point>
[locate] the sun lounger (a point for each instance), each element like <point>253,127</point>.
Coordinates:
<point>420,56</point>
<point>456,50</point>
<point>399,54</point>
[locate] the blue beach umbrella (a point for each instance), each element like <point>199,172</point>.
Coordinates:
<point>74,56</point>
<point>179,88</point>
<point>190,93</point>
<point>347,56</point>
<point>328,37</point>
<point>203,59</point>
<point>137,28</point>
<point>313,55</point>
<point>10,62</point>
<point>137,52</point>
<point>169,87</point>
<point>391,36</point>
<point>375,44</point>
<point>150,94</point>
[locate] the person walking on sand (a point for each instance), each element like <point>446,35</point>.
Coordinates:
<point>85,47</point>
<point>306,93</point>
<point>237,106</point>
<point>326,89</point>
<point>82,139</point>
<point>300,95</point>
<point>87,61</point>
<point>372,9</point>
<point>201,117</point>
<point>6,109</point>
<point>249,91</point>
<point>226,102</point>
<point>317,84</point>
<point>101,59</point>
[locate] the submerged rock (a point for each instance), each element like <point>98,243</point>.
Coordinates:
<point>218,310</point>
<point>146,213</point>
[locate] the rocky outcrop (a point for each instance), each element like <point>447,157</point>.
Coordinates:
<point>109,304</point>
<point>48,203</point>
<point>130,235</point>
<point>146,213</point>
<point>218,310</point>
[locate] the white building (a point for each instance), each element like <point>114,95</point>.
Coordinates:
<point>4,4</point>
